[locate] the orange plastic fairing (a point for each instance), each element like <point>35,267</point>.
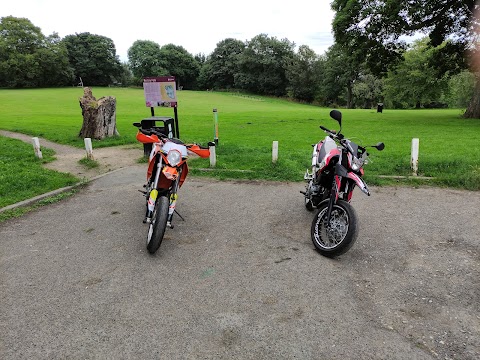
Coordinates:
<point>204,153</point>
<point>147,139</point>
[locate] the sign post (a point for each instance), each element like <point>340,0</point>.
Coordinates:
<point>161,92</point>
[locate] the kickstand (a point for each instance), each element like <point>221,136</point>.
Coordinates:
<point>176,212</point>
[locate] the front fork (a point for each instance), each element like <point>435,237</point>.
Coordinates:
<point>152,197</point>
<point>173,199</point>
<point>337,180</point>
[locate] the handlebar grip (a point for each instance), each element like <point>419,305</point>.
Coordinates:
<point>324,128</point>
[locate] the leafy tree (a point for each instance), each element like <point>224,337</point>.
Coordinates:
<point>262,66</point>
<point>377,27</point>
<point>145,59</point>
<point>341,72</point>
<point>460,89</point>
<point>223,64</point>
<point>126,76</point>
<point>302,75</point>
<point>181,64</point>
<point>28,58</point>
<point>414,82</point>
<point>93,58</point>
<point>368,90</point>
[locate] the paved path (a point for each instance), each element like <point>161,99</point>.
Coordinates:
<point>239,279</point>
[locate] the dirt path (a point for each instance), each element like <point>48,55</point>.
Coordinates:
<point>67,157</point>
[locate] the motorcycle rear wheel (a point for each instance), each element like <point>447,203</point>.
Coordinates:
<point>156,229</point>
<point>340,235</point>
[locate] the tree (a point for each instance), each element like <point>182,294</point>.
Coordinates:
<point>223,64</point>
<point>377,27</point>
<point>262,65</point>
<point>341,72</point>
<point>180,63</point>
<point>145,59</point>
<point>460,89</point>
<point>414,81</point>
<point>28,58</point>
<point>302,75</point>
<point>93,58</point>
<point>368,90</point>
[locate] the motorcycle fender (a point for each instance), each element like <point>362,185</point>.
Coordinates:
<point>359,181</point>
<point>170,173</point>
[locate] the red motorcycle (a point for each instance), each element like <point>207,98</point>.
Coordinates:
<point>337,168</point>
<point>166,173</point>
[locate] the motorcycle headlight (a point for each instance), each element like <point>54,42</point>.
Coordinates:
<point>174,157</point>
<point>356,164</point>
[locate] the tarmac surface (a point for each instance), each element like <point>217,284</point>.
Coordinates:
<point>239,278</point>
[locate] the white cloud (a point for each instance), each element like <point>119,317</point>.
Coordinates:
<point>196,25</point>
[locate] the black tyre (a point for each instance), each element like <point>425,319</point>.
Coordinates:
<point>157,227</point>
<point>340,235</point>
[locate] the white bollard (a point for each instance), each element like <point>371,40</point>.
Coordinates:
<point>36,147</point>
<point>213,156</point>
<point>414,159</point>
<point>88,148</point>
<point>275,151</point>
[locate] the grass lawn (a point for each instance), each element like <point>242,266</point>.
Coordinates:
<point>449,144</point>
<point>22,175</point>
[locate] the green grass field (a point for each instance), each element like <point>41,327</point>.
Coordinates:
<point>449,144</point>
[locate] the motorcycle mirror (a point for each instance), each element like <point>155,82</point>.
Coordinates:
<point>380,146</point>
<point>336,115</point>
<point>137,124</point>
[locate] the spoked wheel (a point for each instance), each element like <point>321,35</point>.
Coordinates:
<point>157,227</point>
<point>336,237</point>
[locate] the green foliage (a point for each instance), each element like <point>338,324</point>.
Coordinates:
<point>28,58</point>
<point>262,66</point>
<point>368,91</point>
<point>181,64</point>
<point>88,163</point>
<point>413,82</point>
<point>22,175</point>
<point>93,58</point>
<point>302,77</point>
<point>222,65</point>
<point>461,88</point>
<point>375,27</point>
<point>144,58</point>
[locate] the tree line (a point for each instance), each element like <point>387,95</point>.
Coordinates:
<point>368,63</point>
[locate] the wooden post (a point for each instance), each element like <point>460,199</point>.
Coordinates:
<point>275,152</point>
<point>36,147</point>
<point>88,148</point>
<point>215,126</point>
<point>414,159</point>
<point>213,156</point>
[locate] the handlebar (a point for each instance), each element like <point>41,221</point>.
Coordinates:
<point>163,137</point>
<point>333,134</point>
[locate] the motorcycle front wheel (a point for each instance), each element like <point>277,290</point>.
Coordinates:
<point>338,236</point>
<point>156,229</point>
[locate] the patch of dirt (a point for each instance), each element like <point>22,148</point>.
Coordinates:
<point>68,157</point>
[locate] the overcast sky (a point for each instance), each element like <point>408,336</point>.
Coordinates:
<point>196,25</point>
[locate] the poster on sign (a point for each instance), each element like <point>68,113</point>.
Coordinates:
<point>160,91</point>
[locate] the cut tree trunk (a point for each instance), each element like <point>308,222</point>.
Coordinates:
<point>99,116</point>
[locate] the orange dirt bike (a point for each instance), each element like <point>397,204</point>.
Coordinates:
<point>166,173</point>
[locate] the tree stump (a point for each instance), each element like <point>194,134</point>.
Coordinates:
<point>99,116</point>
